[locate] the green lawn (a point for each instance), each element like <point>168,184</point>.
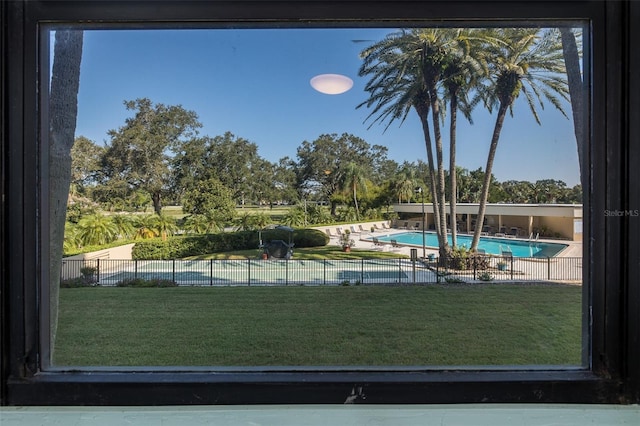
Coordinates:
<point>310,326</point>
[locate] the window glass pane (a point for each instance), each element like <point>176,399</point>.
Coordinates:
<point>282,197</point>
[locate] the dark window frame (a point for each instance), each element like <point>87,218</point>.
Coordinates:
<point>612,300</point>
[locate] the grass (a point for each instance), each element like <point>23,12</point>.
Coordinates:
<point>307,253</point>
<point>310,326</point>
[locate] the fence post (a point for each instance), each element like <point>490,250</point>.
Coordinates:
<point>361,271</point>
<point>511,268</point>
<point>210,272</point>
<point>173,270</point>
<point>135,269</point>
<point>548,268</point>
<point>248,272</point>
<point>98,272</point>
<point>414,257</point>
<point>324,272</point>
<point>286,272</point>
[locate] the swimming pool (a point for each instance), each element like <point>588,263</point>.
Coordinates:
<point>490,245</point>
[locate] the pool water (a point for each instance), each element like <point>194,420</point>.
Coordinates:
<point>490,245</point>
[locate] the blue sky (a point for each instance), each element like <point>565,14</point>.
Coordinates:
<point>255,84</point>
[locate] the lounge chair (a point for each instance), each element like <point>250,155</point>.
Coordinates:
<point>395,245</point>
<point>339,231</point>
<point>416,226</point>
<point>406,225</point>
<point>353,229</point>
<point>384,225</point>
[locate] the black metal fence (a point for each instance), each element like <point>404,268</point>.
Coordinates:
<point>109,272</point>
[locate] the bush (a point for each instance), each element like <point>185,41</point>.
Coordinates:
<point>144,283</point>
<point>87,279</point>
<point>195,245</point>
<point>463,259</point>
<point>485,276</point>
<point>77,283</point>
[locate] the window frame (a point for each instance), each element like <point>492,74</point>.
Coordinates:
<point>611,301</point>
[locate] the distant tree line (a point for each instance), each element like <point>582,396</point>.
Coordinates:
<point>157,158</point>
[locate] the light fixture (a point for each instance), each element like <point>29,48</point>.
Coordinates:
<point>331,84</point>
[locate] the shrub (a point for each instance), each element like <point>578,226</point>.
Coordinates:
<point>194,245</point>
<point>87,278</point>
<point>485,276</point>
<point>463,259</point>
<point>76,283</point>
<point>146,283</point>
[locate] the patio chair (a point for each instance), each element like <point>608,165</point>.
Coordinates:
<point>507,254</point>
<point>395,245</point>
<point>353,229</point>
<point>416,226</point>
<point>406,225</point>
<point>377,243</point>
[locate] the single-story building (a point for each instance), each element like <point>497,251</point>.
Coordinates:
<point>522,220</point>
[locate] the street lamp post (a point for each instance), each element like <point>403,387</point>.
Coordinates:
<point>420,191</point>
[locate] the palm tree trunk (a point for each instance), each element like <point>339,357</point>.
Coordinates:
<point>355,201</point>
<point>502,112</point>
<point>440,185</point>
<point>423,113</point>
<point>63,111</point>
<point>453,198</point>
<point>576,90</point>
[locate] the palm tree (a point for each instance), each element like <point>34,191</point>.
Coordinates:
<point>571,49</point>
<point>165,225</point>
<point>96,229</point>
<point>354,178</point>
<point>70,237</point>
<point>395,88</point>
<point>252,221</point>
<point>405,183</point>
<point>527,62</point>
<point>146,227</point>
<point>462,72</point>
<point>124,225</point>
<point>295,217</point>
<point>199,224</point>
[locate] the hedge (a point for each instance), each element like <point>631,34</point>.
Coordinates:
<point>194,245</point>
